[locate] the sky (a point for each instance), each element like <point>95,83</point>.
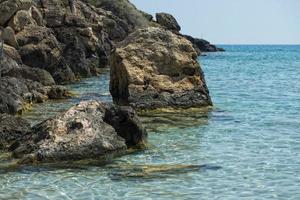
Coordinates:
<point>233,21</point>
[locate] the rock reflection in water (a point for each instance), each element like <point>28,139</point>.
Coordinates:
<point>162,119</point>
<point>119,172</point>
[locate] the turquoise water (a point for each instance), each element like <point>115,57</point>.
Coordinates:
<point>246,147</point>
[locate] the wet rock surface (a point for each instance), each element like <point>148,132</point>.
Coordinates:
<point>165,74</point>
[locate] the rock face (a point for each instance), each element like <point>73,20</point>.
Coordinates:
<point>164,74</point>
<point>168,21</point>
<point>12,130</point>
<point>82,132</point>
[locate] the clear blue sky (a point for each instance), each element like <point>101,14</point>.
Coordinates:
<point>233,21</point>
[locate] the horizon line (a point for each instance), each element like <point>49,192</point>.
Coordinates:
<point>288,44</point>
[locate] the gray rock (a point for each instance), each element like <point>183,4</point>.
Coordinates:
<point>12,131</point>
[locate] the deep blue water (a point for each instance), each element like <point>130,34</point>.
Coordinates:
<point>246,147</point>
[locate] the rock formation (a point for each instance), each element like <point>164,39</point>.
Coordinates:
<point>156,68</point>
<point>12,130</point>
<point>90,129</point>
<point>168,21</point>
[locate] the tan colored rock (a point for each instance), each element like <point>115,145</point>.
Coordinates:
<point>12,53</point>
<point>37,16</point>
<point>21,19</point>
<point>154,68</point>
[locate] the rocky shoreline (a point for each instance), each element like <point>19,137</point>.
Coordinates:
<point>49,43</point>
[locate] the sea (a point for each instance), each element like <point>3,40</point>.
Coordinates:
<point>247,146</point>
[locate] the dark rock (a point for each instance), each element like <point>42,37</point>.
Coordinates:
<point>127,124</point>
<point>12,131</point>
<point>30,73</point>
<point>168,21</point>
<point>39,47</point>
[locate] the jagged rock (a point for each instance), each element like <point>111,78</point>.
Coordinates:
<point>155,68</point>
<point>55,92</point>
<point>124,10</point>
<point>8,36</point>
<point>168,21</point>
<point>79,133</point>
<point>126,124</point>
<point>21,19</point>
<point>38,47</point>
<point>202,45</point>
<point>22,85</point>
<point>12,130</point>
<point>10,7</point>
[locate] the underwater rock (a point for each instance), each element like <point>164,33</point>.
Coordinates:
<point>155,68</point>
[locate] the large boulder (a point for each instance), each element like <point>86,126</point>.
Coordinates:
<point>79,133</point>
<point>12,130</point>
<point>10,7</point>
<point>168,21</point>
<point>126,123</point>
<point>155,68</point>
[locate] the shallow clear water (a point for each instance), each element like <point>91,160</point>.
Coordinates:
<point>246,147</point>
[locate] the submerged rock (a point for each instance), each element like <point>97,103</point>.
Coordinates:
<point>154,68</point>
<point>82,132</point>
